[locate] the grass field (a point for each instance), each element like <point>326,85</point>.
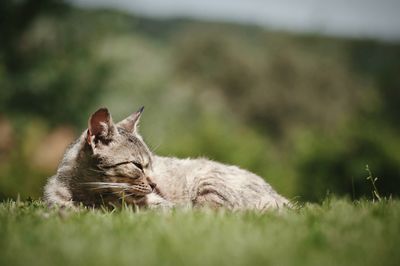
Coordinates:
<point>338,232</point>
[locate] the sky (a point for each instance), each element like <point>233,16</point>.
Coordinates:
<point>354,18</point>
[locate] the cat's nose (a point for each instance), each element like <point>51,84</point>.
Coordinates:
<point>152,185</point>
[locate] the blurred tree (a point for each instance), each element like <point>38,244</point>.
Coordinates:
<point>276,89</point>
<point>43,63</point>
<point>337,164</point>
<point>16,16</point>
<point>380,62</point>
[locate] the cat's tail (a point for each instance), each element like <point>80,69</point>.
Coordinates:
<point>273,202</point>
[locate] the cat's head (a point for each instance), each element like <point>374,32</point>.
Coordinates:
<point>120,161</point>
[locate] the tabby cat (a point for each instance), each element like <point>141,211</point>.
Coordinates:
<point>110,164</point>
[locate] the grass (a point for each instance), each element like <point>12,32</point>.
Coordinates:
<point>337,232</point>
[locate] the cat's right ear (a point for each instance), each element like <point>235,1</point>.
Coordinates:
<point>131,122</point>
<point>100,127</point>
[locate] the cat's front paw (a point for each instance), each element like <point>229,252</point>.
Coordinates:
<point>155,201</point>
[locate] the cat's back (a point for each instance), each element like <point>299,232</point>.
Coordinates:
<point>235,187</point>
<point>194,169</point>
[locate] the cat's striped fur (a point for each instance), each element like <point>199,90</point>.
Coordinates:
<point>110,163</point>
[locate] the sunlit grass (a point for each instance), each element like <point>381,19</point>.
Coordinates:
<point>338,232</point>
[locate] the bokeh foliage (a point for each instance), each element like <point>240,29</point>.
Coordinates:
<point>45,61</point>
<point>306,112</point>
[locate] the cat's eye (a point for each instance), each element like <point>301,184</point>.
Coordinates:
<point>138,165</point>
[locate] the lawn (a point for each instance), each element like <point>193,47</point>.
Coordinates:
<point>337,232</point>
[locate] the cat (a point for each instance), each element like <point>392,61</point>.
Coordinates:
<point>110,164</point>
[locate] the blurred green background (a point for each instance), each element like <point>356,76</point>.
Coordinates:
<point>304,111</point>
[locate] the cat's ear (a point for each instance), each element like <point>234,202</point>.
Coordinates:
<point>100,126</point>
<point>131,123</point>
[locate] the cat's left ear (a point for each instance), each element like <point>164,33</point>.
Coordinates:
<point>100,127</point>
<point>131,123</point>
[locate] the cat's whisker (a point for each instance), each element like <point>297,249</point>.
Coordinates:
<point>103,185</point>
<point>95,170</point>
<point>153,149</point>
<point>126,195</point>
